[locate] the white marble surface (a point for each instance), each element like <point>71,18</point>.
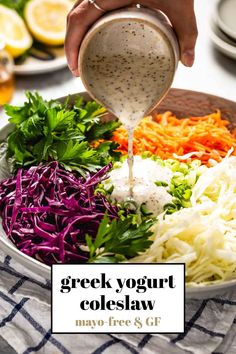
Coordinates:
<point>211,73</point>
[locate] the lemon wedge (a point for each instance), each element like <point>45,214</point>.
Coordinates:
<point>14,32</point>
<point>46,20</point>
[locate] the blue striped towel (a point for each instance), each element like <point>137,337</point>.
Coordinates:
<point>25,323</point>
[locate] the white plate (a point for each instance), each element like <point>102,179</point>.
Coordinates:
<point>222,42</point>
<point>200,292</point>
<point>226,17</point>
<point>33,66</point>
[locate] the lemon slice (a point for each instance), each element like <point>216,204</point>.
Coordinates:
<point>14,32</point>
<point>46,20</point>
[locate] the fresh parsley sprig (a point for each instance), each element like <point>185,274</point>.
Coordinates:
<point>49,130</point>
<point>119,240</point>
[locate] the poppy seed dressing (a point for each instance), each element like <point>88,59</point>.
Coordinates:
<point>129,67</point>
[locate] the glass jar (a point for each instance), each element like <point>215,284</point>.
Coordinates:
<point>7,85</point>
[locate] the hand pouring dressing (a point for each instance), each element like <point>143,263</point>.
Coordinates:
<point>127,63</point>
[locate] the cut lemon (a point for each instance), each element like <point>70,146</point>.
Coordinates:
<point>46,20</point>
<point>14,32</point>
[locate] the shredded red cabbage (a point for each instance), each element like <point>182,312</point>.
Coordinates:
<point>47,211</point>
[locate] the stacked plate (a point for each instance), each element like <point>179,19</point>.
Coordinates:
<point>223,28</point>
<point>42,61</point>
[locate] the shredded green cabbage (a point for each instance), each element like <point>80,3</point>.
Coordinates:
<point>204,235</point>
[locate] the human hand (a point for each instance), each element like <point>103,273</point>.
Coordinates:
<point>84,14</point>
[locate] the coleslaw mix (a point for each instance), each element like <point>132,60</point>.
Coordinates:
<point>68,168</point>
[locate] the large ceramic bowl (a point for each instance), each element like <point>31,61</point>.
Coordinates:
<point>182,103</point>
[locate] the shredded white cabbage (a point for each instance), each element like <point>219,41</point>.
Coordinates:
<point>204,235</point>
<point>187,156</point>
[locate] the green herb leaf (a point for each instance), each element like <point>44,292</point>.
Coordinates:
<point>119,239</point>
<point>32,127</point>
<point>102,131</point>
<point>50,130</point>
<point>161,184</point>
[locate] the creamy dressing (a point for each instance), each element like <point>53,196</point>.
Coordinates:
<point>146,172</point>
<point>129,67</point>
<point>130,160</point>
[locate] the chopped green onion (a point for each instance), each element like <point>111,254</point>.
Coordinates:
<point>161,184</point>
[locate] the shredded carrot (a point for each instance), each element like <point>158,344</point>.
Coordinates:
<point>166,136</point>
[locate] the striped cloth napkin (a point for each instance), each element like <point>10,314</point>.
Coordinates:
<point>25,323</point>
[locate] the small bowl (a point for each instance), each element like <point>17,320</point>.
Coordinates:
<point>226,17</point>
<point>222,42</point>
